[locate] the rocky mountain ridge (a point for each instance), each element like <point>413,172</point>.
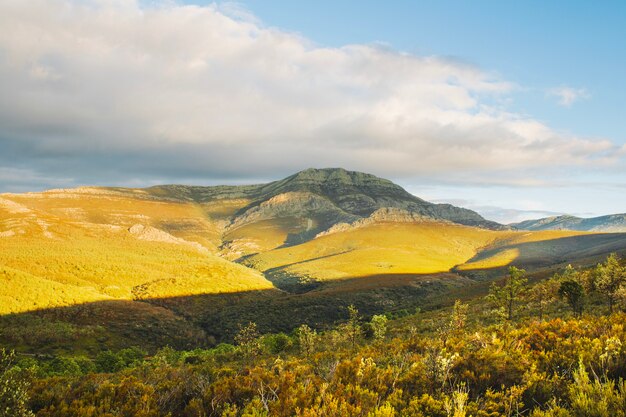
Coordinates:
<point>327,197</point>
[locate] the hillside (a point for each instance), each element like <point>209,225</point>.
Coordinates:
<point>104,245</point>
<point>389,248</point>
<point>299,207</point>
<point>334,194</point>
<point>209,257</point>
<point>613,223</point>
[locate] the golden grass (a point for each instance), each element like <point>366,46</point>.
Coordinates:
<point>22,291</point>
<point>535,247</point>
<point>384,248</point>
<point>52,260</point>
<point>500,258</point>
<point>429,248</point>
<point>182,219</point>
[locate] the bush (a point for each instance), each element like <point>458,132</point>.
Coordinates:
<point>131,357</point>
<point>108,361</point>
<point>276,343</point>
<point>61,366</point>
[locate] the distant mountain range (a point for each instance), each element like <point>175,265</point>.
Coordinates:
<point>614,223</point>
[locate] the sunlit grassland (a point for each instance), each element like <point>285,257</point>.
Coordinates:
<point>505,250</point>
<point>544,248</point>
<point>263,235</point>
<point>384,248</point>
<point>89,268</point>
<point>183,219</point>
<point>53,261</point>
<point>426,248</point>
<point>21,291</point>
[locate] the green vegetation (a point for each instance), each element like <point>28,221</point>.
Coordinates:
<point>165,251</point>
<point>574,292</point>
<point>14,385</point>
<point>69,247</point>
<point>610,279</point>
<point>466,360</point>
<point>507,296</point>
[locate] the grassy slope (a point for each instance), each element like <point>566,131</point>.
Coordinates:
<point>260,236</point>
<point>545,248</point>
<point>74,246</point>
<point>80,250</point>
<point>385,248</point>
<point>107,207</point>
<point>428,248</point>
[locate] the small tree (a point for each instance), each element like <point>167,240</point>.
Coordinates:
<point>307,339</point>
<point>543,294</point>
<point>458,318</point>
<point>455,323</point>
<point>379,326</point>
<point>507,296</point>
<point>13,387</point>
<point>276,343</point>
<point>352,328</point>
<point>108,361</point>
<point>574,293</point>
<point>610,277</point>
<point>248,340</point>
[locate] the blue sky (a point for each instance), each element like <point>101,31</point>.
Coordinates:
<point>537,44</point>
<point>514,109</point>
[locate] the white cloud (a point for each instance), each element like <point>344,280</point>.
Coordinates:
<point>567,96</point>
<point>108,89</point>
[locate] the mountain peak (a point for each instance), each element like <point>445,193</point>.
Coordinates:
<point>355,192</point>
<point>338,175</point>
<point>352,195</point>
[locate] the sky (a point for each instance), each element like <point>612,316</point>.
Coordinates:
<point>513,109</point>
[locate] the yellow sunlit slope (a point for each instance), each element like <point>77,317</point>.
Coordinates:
<point>385,248</point>
<point>57,257</point>
<point>427,248</point>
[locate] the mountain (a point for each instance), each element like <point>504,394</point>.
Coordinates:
<point>175,264</point>
<point>302,206</point>
<point>614,223</point>
<point>327,196</point>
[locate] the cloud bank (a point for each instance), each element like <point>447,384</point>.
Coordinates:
<point>108,91</point>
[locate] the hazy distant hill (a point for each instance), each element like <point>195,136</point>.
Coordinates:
<point>614,223</point>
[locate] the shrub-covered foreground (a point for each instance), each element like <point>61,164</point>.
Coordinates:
<point>471,360</point>
<point>553,368</point>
